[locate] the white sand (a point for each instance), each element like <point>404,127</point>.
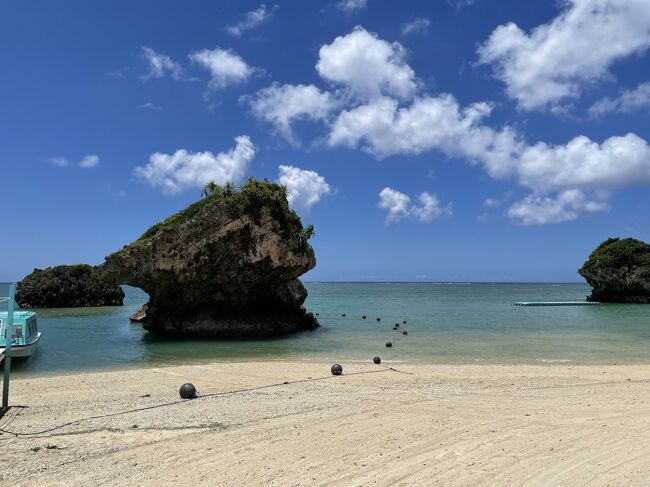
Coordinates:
<point>443,425</point>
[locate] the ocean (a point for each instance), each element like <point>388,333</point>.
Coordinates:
<point>446,323</point>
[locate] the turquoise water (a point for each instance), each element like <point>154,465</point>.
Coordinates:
<point>447,323</point>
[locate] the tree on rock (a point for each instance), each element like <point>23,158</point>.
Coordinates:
<point>619,271</point>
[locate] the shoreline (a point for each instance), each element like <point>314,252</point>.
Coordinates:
<point>454,424</point>
<point>415,362</point>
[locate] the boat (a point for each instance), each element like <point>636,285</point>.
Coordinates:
<point>25,335</point>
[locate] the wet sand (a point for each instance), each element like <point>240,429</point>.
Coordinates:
<point>434,425</point>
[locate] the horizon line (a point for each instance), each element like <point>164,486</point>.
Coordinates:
<point>443,282</point>
<point>405,282</point>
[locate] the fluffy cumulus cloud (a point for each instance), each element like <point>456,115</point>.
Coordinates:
<point>628,101</point>
<point>416,26</point>
<point>305,188</point>
<point>399,206</point>
<point>367,66</point>
<point>565,206</point>
<point>384,129</point>
<point>251,20</point>
<point>351,6</point>
<point>555,61</point>
<point>583,164</point>
<point>177,172</point>
<point>160,65</point>
<point>281,105</point>
<point>383,115</point>
<point>225,66</point>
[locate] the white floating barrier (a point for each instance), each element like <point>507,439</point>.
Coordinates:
<point>557,303</point>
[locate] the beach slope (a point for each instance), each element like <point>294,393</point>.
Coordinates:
<point>434,425</point>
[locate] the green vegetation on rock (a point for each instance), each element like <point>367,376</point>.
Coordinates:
<point>251,198</point>
<point>619,271</point>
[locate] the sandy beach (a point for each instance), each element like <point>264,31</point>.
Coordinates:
<point>432,425</point>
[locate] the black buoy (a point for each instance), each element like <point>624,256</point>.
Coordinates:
<point>404,322</point>
<point>317,314</point>
<point>378,319</point>
<point>389,344</point>
<point>343,314</point>
<point>363,317</point>
<point>337,369</point>
<point>405,333</point>
<point>376,360</point>
<point>187,391</point>
<point>396,325</point>
<point>394,328</point>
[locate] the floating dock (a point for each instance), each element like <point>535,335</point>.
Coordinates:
<point>557,303</point>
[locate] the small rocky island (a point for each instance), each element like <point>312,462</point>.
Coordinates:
<point>67,286</point>
<point>619,271</point>
<point>227,265</point>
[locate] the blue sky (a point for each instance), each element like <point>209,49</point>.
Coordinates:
<point>485,140</point>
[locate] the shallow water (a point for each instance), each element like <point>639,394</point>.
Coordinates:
<point>446,323</point>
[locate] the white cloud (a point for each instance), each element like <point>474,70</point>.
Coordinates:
<point>458,4</point>
<point>251,20</point>
<point>416,26</point>
<point>281,105</point>
<point>430,208</point>
<point>174,173</point>
<point>226,67</point>
<point>350,6</point>
<point>628,101</point>
<point>384,129</point>
<point>399,206</point>
<point>159,65</point>
<point>497,202</point>
<point>566,206</point>
<point>384,118</point>
<point>556,60</point>
<point>305,188</point>
<point>367,66</point>
<point>59,161</point>
<point>89,161</point>
<point>149,106</point>
<point>583,164</point>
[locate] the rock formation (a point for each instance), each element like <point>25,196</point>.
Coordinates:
<point>619,271</point>
<point>227,265</point>
<point>67,286</point>
<point>139,315</point>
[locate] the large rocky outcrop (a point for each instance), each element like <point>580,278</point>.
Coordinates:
<point>619,271</point>
<point>67,286</point>
<point>225,266</point>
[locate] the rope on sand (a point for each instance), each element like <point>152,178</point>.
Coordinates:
<point>198,397</point>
